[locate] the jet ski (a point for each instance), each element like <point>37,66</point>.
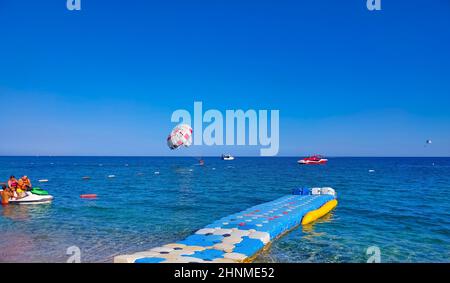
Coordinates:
<point>31,198</point>
<point>38,191</point>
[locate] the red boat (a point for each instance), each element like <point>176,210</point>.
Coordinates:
<point>315,159</point>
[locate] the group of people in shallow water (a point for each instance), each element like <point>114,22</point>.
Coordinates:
<point>15,188</point>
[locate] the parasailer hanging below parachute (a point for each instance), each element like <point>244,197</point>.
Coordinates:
<point>181,135</point>
<point>429,142</point>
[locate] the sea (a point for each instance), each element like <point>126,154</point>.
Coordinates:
<point>396,209</point>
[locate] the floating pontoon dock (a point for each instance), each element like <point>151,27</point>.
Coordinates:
<point>241,236</point>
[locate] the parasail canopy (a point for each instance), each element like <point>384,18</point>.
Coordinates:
<point>181,135</point>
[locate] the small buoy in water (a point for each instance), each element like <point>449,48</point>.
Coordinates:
<point>126,165</point>
<point>88,196</point>
<point>43,181</point>
<point>86,178</point>
<point>111,176</point>
<point>214,169</point>
<point>156,172</point>
<point>371,170</point>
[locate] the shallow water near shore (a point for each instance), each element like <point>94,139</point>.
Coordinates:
<point>402,207</point>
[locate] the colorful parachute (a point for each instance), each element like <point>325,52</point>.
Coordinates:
<point>181,135</point>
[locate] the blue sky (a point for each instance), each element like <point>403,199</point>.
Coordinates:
<point>105,80</point>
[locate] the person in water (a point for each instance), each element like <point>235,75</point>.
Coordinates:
<point>5,195</point>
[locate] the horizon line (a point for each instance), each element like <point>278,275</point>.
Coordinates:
<point>241,156</point>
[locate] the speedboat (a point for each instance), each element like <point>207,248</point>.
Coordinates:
<point>315,159</point>
<point>31,198</point>
<point>227,157</point>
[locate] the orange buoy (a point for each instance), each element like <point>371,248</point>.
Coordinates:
<point>88,196</point>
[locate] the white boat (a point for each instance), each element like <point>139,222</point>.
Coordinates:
<point>32,199</point>
<point>227,157</point>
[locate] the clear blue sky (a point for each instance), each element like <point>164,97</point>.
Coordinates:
<point>105,80</point>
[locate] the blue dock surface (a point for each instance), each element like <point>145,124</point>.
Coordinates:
<point>240,236</point>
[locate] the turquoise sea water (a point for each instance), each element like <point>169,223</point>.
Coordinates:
<point>403,207</point>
